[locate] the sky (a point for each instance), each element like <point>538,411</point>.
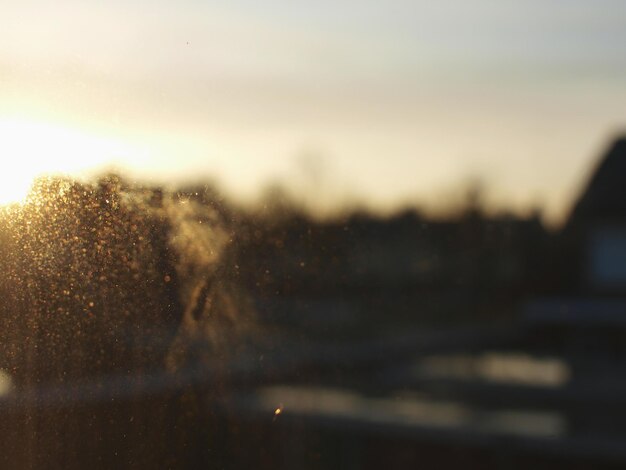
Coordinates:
<point>382,104</point>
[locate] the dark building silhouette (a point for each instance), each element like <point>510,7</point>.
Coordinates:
<point>604,198</point>
<point>597,226</point>
<point>585,313</point>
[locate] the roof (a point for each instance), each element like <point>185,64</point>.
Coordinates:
<point>605,195</point>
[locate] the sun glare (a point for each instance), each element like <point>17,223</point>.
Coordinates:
<point>30,149</point>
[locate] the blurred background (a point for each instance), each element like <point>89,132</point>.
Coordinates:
<point>319,235</point>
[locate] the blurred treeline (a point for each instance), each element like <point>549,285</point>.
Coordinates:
<point>182,266</point>
<point>188,266</point>
<point>360,273</point>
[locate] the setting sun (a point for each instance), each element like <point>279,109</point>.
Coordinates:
<point>31,149</point>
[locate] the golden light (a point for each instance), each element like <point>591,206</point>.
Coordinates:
<point>278,411</point>
<point>30,149</point>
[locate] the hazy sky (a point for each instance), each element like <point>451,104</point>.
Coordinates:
<point>384,102</point>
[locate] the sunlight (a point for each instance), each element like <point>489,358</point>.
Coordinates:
<point>30,149</point>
